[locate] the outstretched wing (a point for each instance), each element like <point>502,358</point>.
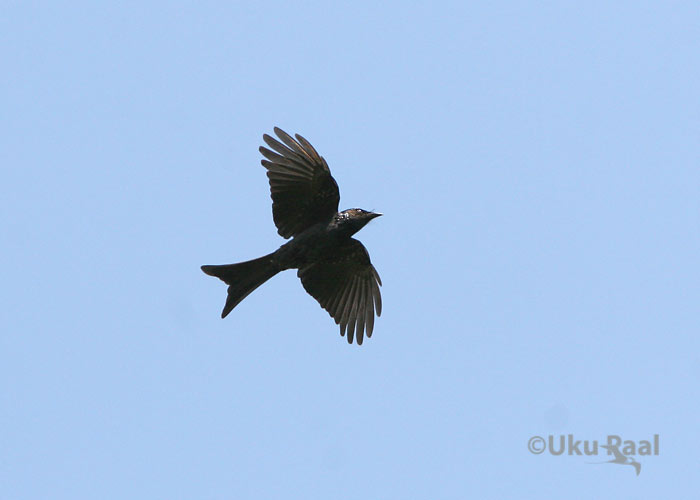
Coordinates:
<point>618,454</point>
<point>347,286</point>
<point>303,191</point>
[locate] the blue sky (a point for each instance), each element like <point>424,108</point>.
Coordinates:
<point>537,165</point>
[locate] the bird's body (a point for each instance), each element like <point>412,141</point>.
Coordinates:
<point>620,458</point>
<point>309,246</point>
<point>334,267</point>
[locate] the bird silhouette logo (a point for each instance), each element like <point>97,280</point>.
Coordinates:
<point>620,458</point>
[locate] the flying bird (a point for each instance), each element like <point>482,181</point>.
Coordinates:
<point>334,268</point>
<point>620,458</point>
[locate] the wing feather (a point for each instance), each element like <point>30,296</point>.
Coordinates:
<point>301,186</point>
<point>346,285</point>
<point>369,309</point>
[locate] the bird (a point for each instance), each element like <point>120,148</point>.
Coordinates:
<point>620,458</point>
<point>334,268</point>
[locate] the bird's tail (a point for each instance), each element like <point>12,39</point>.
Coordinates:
<point>242,278</point>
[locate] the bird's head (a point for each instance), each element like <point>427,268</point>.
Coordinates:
<point>354,219</point>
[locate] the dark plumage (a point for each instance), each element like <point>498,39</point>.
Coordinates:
<point>334,268</point>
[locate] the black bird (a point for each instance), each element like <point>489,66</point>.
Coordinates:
<point>334,268</point>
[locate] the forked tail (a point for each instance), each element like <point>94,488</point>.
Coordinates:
<point>242,278</point>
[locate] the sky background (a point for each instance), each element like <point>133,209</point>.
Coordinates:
<point>537,165</point>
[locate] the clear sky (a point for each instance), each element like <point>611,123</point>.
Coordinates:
<point>537,165</point>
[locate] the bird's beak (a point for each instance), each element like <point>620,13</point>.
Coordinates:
<point>374,215</point>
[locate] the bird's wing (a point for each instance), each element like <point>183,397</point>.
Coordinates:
<point>618,454</point>
<point>637,467</point>
<point>303,191</point>
<point>347,286</point>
